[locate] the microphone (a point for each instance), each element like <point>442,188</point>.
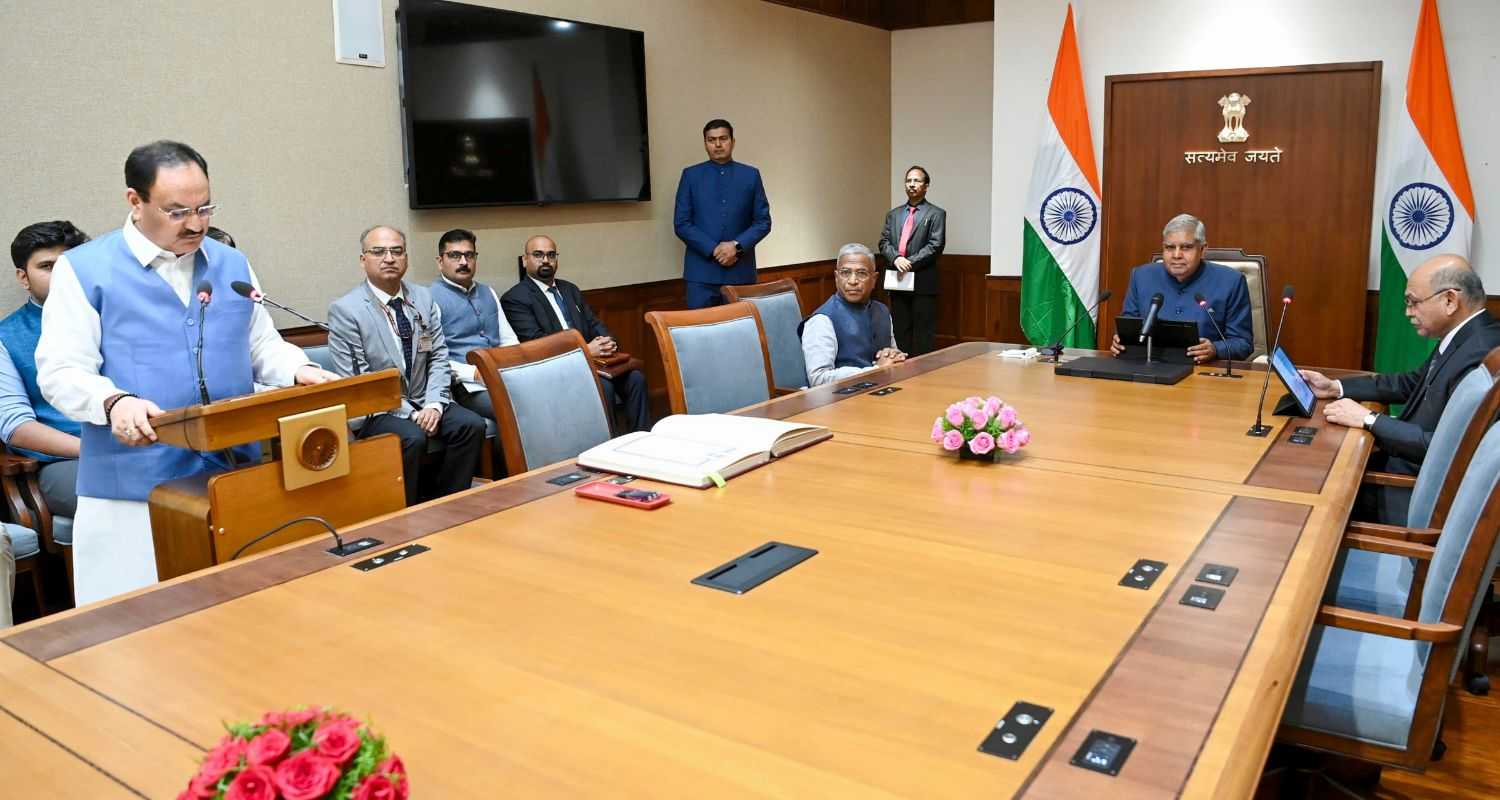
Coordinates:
<point>1156,301</point>
<point>245,290</point>
<point>1229,370</point>
<point>1258,429</point>
<point>205,294</point>
<point>1055,350</point>
<point>340,550</point>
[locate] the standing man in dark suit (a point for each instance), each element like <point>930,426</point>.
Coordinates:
<point>386,323</point>
<point>541,305</point>
<point>722,213</point>
<point>913,238</point>
<point>1444,301</point>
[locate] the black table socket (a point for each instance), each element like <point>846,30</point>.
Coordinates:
<point>1015,730</point>
<point>1143,574</point>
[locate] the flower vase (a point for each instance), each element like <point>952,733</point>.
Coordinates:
<point>965,454</point>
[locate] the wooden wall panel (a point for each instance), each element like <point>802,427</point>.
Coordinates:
<point>898,14</point>
<point>1309,214</point>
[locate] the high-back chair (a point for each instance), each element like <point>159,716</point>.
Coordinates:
<point>1253,267</point>
<point>780,312</point>
<point>1372,686</point>
<point>35,532</point>
<point>715,358</point>
<point>547,400</point>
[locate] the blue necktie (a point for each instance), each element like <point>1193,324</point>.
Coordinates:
<point>562,305</point>
<point>403,329</point>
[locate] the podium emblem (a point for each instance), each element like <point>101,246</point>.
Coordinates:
<point>1233,106</point>
<point>1421,216</point>
<point>1068,216</point>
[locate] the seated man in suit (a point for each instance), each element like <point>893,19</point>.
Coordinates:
<point>849,333</point>
<point>1444,301</point>
<point>1180,277</point>
<point>472,319</point>
<point>384,323</point>
<point>542,304</point>
<point>29,424</point>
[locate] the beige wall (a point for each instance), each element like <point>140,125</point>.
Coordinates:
<point>304,152</point>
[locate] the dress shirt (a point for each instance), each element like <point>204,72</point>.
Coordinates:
<point>68,356</point>
<point>468,374</point>
<point>820,348</point>
<point>552,298</point>
<point>406,308</point>
<point>15,403</point>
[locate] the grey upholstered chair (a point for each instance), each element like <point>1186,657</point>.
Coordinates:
<point>1372,686</point>
<point>715,358</point>
<point>546,398</point>
<point>780,312</point>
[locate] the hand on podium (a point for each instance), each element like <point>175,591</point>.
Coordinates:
<point>129,419</point>
<point>311,375</point>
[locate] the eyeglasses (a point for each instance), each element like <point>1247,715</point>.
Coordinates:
<point>856,274</point>
<point>460,255</point>
<point>181,214</point>
<point>381,252</point>
<point>550,255</point>
<point>1413,303</point>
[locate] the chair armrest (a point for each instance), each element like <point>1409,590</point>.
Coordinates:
<point>1381,625</point>
<point>1390,479</point>
<point>1394,532</point>
<point>13,464</point>
<point>780,392</point>
<point>1395,547</point>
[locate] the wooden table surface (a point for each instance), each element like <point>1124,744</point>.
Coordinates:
<point>551,646</point>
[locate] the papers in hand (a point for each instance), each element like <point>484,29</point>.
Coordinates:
<point>896,281</point>
<point>687,448</point>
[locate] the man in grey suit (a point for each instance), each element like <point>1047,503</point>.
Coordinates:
<point>386,323</point>
<point>911,242</point>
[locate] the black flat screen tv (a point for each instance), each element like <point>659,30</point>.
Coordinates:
<point>504,108</point>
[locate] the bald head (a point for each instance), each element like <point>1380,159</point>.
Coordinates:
<point>1441,294</point>
<point>539,256</point>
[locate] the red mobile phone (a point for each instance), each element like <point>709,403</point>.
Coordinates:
<point>614,493</point>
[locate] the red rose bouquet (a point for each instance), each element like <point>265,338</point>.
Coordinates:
<point>309,754</point>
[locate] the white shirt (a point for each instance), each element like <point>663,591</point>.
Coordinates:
<point>552,298</point>
<point>820,348</point>
<point>467,373</point>
<point>68,355</point>
<point>1442,345</point>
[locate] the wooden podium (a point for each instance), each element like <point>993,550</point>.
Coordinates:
<point>204,519</point>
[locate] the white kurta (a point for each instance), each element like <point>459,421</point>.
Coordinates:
<point>113,551</point>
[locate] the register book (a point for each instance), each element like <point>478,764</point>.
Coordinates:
<point>692,449</point>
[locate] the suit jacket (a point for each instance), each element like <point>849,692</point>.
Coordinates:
<point>1406,437</point>
<point>531,315</point>
<point>720,204</point>
<point>360,341</point>
<point>925,246</point>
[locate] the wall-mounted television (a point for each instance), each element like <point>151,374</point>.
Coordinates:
<point>504,108</point>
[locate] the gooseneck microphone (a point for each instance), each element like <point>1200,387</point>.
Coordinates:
<point>1229,370</point>
<point>245,290</point>
<point>205,294</point>
<point>340,549</point>
<point>1055,350</point>
<point>1156,303</point>
<point>1258,429</point>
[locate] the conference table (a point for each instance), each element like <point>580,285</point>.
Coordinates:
<point>549,646</point>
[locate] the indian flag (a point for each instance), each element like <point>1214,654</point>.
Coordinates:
<point>1060,245</point>
<point>1427,204</point>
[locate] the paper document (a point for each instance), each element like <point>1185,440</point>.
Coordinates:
<point>897,282</point>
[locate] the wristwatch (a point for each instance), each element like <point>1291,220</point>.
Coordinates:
<point>1370,421</point>
<point>738,249</point>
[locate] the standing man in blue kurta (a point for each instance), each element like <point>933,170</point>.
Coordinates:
<point>722,213</point>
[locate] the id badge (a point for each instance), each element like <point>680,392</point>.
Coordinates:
<point>424,343</point>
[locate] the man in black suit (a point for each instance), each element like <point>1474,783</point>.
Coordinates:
<point>540,305</point>
<point>911,242</point>
<point>1444,301</point>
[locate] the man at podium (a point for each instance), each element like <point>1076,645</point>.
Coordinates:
<point>119,344</point>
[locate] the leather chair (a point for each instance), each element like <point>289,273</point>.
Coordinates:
<point>715,358</point>
<point>1372,686</point>
<point>781,312</point>
<point>1253,267</point>
<point>547,399</point>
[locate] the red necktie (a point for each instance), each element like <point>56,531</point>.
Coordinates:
<point>906,229</point>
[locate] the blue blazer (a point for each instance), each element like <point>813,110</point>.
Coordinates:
<point>720,204</point>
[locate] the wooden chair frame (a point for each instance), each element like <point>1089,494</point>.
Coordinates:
<point>25,507</point>
<point>662,322</point>
<point>490,361</point>
<point>734,294</point>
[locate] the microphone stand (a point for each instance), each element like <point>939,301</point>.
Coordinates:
<point>202,378</point>
<point>293,312</point>
<point>1259,429</point>
<point>340,550</point>
<point>1055,349</point>
<point>1228,370</point>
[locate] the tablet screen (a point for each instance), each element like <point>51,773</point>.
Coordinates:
<point>1293,381</point>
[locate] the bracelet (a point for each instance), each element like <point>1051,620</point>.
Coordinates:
<point>109,407</point>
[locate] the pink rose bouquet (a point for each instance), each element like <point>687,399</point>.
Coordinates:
<point>980,426</point>
<point>305,754</point>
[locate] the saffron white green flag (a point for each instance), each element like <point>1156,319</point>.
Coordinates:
<point>1060,243</point>
<point>1427,202</point>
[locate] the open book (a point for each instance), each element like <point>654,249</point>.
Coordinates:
<point>687,449</point>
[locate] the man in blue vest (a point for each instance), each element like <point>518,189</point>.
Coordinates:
<point>472,319</point>
<point>29,424</point>
<point>120,334</point>
<point>721,214</point>
<point>849,333</point>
